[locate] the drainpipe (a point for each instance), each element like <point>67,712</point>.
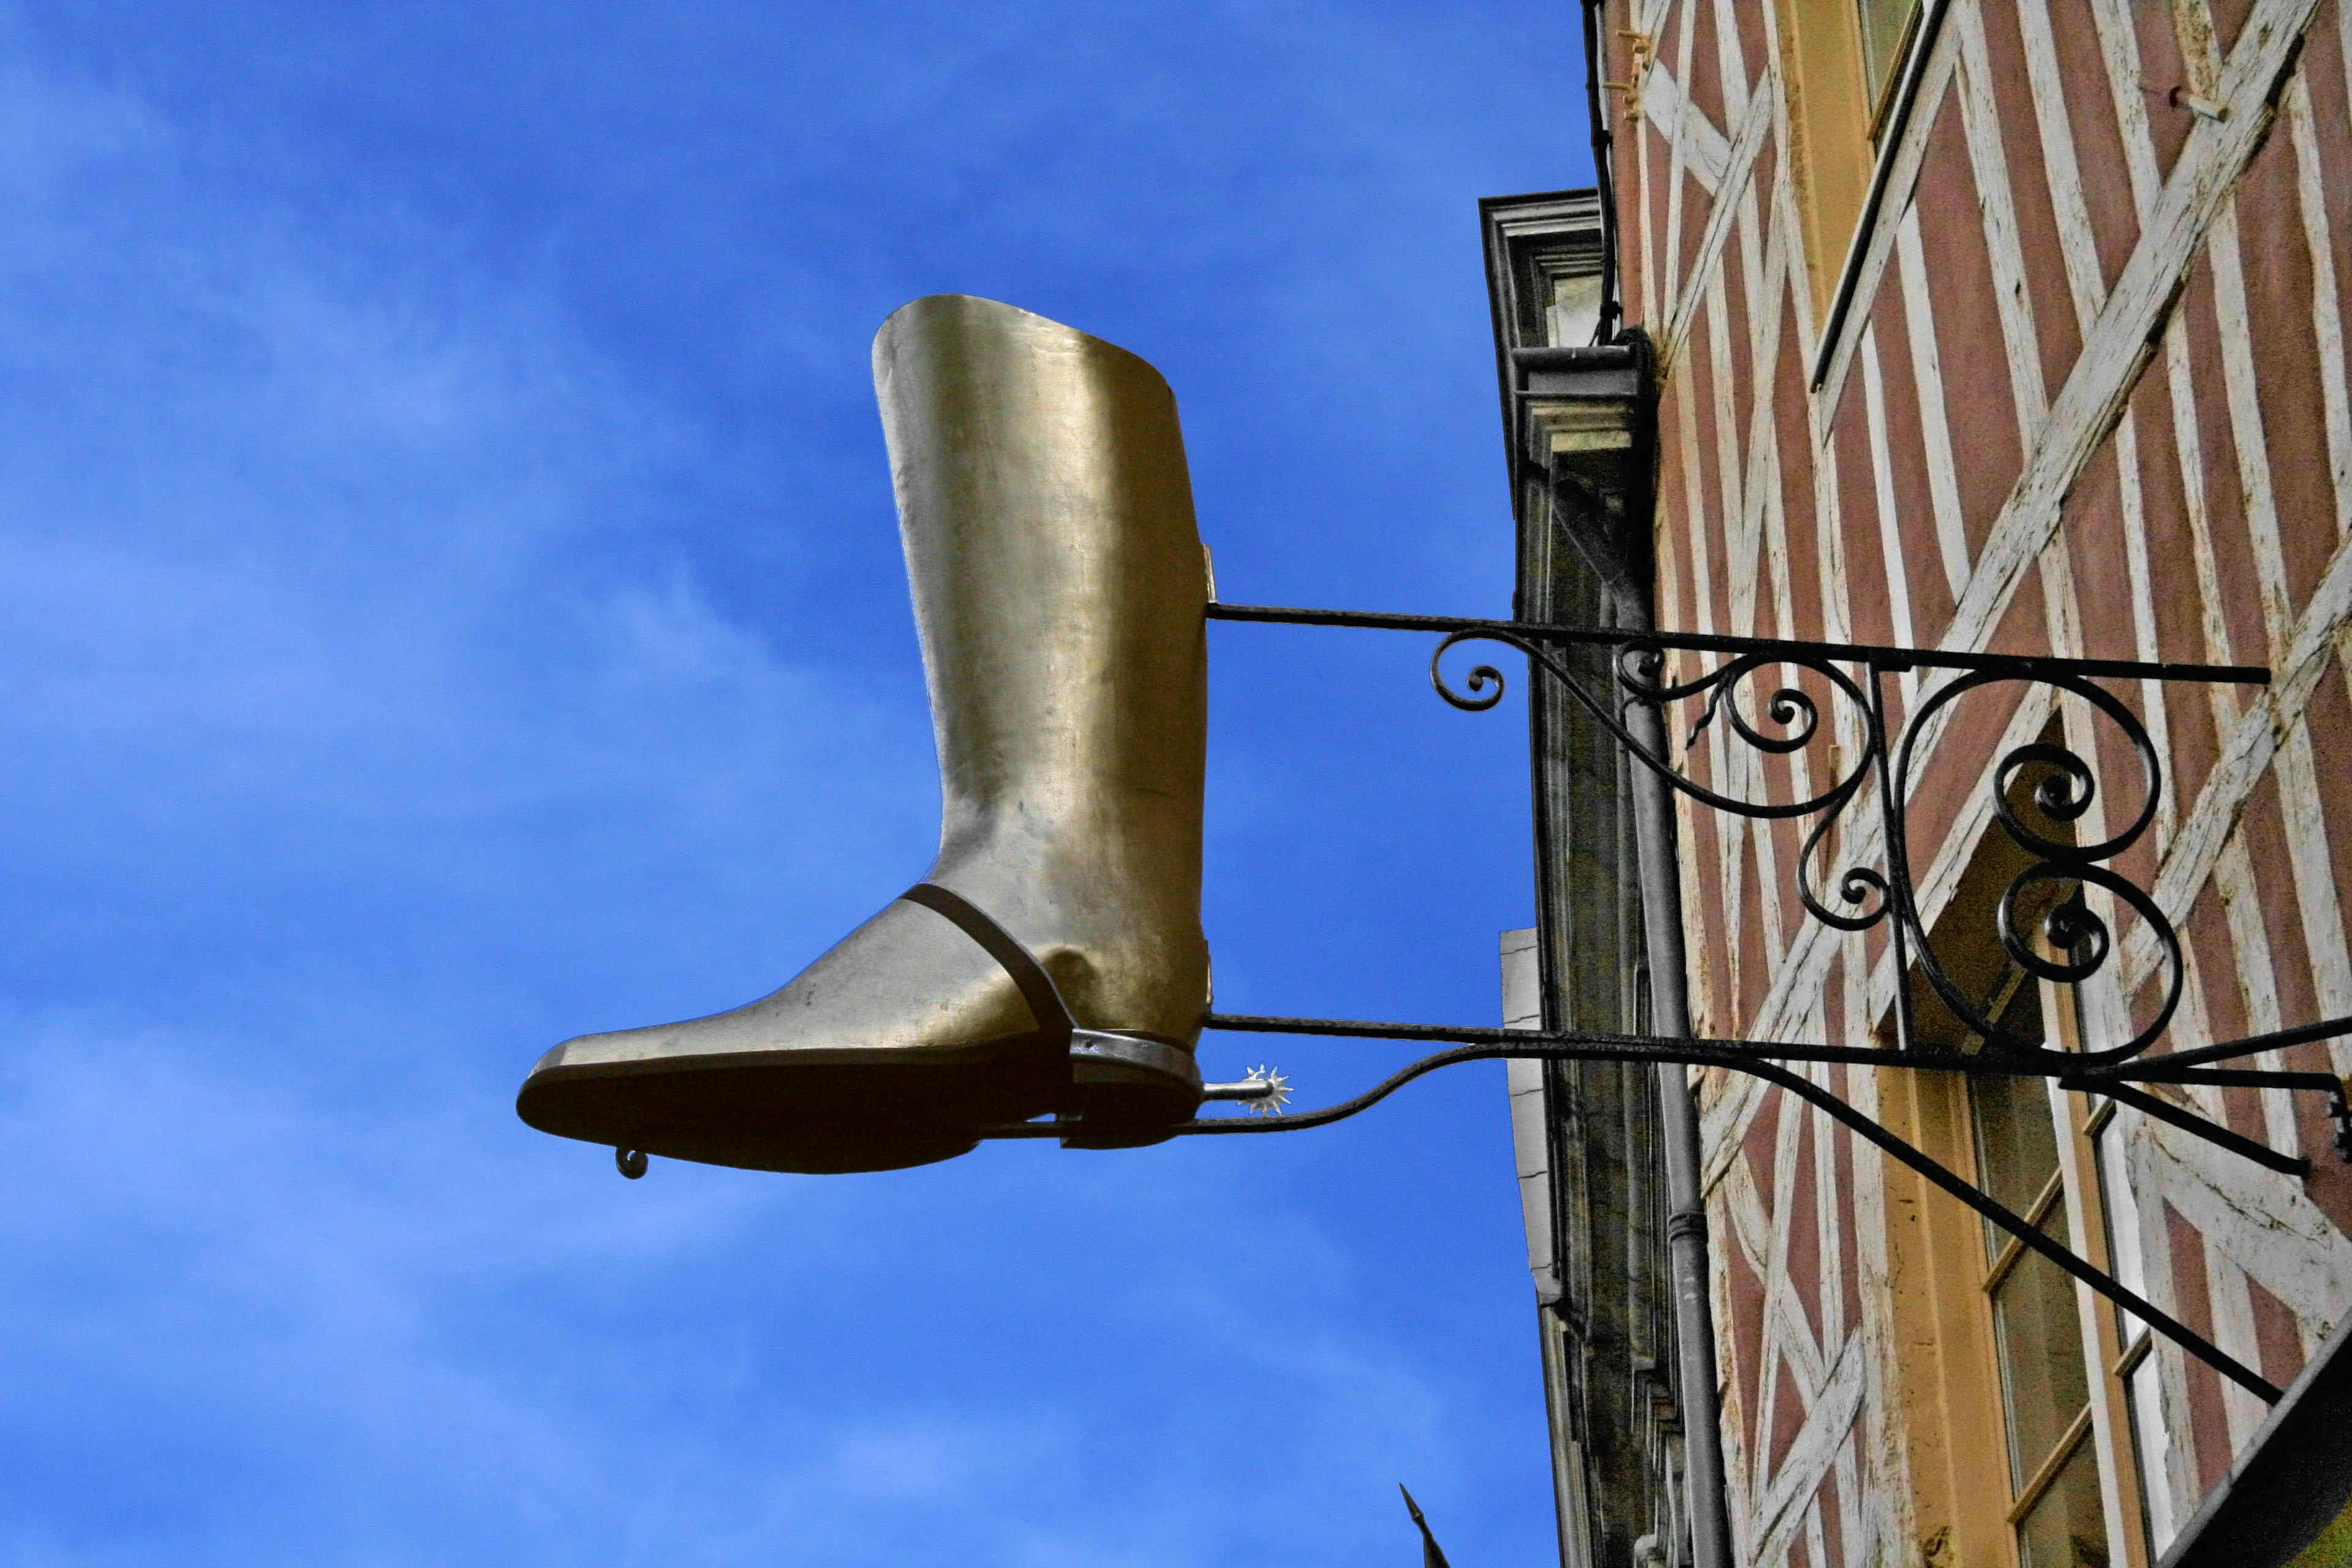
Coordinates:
<point>1662,921</point>
<point>1604,172</point>
<point>1619,551</point>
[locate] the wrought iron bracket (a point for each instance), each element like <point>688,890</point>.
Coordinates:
<point>2055,920</point>
<point>2052,920</point>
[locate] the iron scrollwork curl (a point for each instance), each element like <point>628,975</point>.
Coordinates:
<point>2079,942</point>
<point>1639,669</point>
<point>1790,706</point>
<point>1861,888</point>
<point>1640,666</point>
<point>2063,940</point>
<point>1484,675</point>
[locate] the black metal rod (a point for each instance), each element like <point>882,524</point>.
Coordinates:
<point>1739,1053</point>
<point>2032,1236</point>
<point>2022,665</point>
<point>2222,1078</point>
<point>1893,845</point>
<point>2211,1132</point>
<point>2254,1045</point>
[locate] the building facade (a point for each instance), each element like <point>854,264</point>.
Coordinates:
<point>1970,325</point>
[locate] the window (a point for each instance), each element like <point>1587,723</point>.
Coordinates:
<point>1831,99</point>
<point>1840,67</point>
<point>2045,1386</point>
<point>1886,26</point>
<point>1574,315</point>
<point>2029,1404</point>
<point>2010,1390</point>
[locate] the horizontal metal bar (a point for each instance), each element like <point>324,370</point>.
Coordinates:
<point>1737,1053</point>
<point>1601,1044</point>
<point>1381,620</point>
<point>2024,666</point>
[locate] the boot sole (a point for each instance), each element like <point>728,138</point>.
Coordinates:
<point>817,1112</point>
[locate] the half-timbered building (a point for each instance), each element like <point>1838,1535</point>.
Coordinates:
<point>1970,326</point>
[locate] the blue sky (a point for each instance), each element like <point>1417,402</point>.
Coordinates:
<point>450,601</point>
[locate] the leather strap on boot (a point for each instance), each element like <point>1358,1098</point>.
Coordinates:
<point>1038,988</point>
<point>1097,1056</point>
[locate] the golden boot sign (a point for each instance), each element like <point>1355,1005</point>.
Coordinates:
<point>1052,961</point>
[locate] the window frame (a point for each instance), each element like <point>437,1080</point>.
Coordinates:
<point>2109,1359</point>
<point>2031,1475</point>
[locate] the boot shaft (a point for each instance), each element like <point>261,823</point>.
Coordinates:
<point>1057,576</point>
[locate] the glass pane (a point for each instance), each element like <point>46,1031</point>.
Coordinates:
<point>2017,1142</point>
<point>2040,1340</point>
<point>1575,310</point>
<point>2065,1528</point>
<point>1886,25</point>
